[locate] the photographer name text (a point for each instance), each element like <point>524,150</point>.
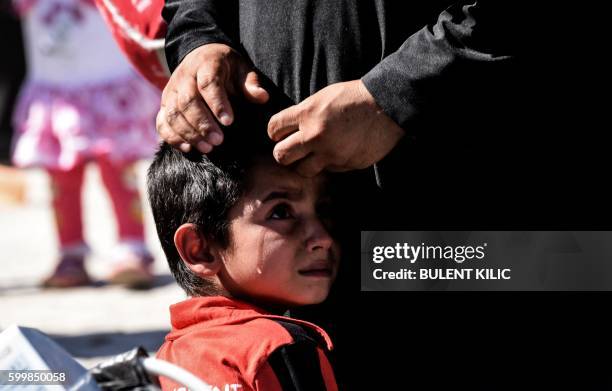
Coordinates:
<point>409,255</point>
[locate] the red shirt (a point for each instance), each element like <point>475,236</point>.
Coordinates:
<point>227,344</point>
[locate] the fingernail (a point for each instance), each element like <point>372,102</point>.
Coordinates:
<point>204,147</point>
<point>184,147</point>
<point>277,156</point>
<point>215,138</point>
<point>225,119</point>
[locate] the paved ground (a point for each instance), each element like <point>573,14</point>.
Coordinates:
<point>91,323</point>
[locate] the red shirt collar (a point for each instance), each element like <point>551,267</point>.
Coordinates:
<point>213,311</point>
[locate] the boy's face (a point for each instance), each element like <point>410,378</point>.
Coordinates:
<point>280,252</point>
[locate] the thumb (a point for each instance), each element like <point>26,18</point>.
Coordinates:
<point>252,90</point>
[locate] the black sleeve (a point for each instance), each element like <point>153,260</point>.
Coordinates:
<point>467,37</point>
<point>193,23</point>
<point>297,365</point>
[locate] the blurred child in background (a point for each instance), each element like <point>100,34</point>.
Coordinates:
<point>83,102</point>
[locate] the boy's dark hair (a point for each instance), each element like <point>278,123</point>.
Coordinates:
<point>200,189</point>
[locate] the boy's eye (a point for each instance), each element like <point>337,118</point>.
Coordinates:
<point>281,212</point>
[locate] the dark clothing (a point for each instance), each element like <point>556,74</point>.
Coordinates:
<point>453,79</point>
<point>303,46</point>
<point>12,72</point>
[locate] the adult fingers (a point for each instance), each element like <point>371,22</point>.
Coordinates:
<point>311,165</point>
<point>284,123</point>
<point>336,168</point>
<point>252,90</point>
<point>211,86</point>
<point>291,149</point>
<point>167,134</point>
<point>180,126</point>
<point>195,111</point>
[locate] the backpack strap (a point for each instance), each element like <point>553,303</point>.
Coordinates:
<point>297,365</point>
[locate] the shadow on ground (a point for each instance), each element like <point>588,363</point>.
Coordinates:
<point>29,287</point>
<point>109,344</point>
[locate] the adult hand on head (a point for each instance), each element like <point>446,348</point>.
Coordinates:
<point>196,96</point>
<point>339,128</point>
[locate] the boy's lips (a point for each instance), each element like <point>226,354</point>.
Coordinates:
<point>321,268</point>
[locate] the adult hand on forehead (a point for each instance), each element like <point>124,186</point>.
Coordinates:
<point>197,96</point>
<point>339,128</point>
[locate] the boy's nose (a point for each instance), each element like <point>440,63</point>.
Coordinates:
<point>317,238</point>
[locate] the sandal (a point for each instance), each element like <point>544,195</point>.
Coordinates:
<point>69,273</point>
<point>133,268</point>
<point>134,276</point>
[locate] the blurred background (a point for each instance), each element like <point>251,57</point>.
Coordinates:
<point>91,322</point>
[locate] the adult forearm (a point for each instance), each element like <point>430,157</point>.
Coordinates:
<point>193,23</point>
<point>465,38</point>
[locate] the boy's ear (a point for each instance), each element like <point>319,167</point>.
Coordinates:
<point>196,251</point>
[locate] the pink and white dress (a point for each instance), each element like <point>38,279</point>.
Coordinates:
<point>81,98</point>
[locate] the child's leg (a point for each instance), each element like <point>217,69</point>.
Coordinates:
<point>133,263</point>
<point>66,201</point>
<point>122,184</point>
<point>66,197</point>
